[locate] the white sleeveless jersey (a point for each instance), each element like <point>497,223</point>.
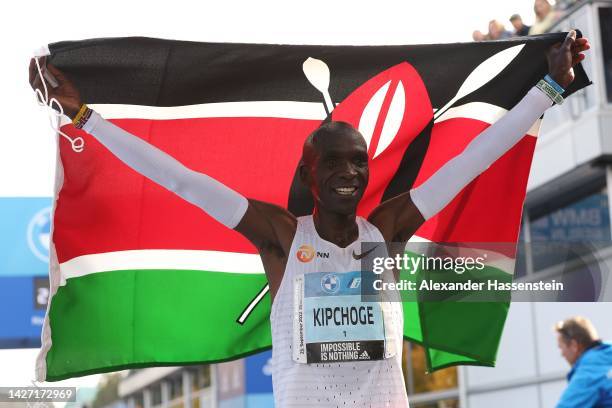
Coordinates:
<point>378,383</point>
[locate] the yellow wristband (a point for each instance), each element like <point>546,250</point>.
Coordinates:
<point>79,115</point>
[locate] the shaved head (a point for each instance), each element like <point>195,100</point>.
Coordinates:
<point>325,133</point>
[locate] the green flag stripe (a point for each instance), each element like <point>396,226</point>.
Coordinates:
<point>153,317</point>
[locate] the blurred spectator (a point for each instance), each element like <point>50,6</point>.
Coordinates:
<point>545,17</point>
<point>590,379</point>
<point>520,29</point>
<point>477,35</point>
<point>497,31</point>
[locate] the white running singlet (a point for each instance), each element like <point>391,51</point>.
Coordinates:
<point>378,383</point>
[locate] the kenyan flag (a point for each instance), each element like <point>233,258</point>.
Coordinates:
<point>140,277</point>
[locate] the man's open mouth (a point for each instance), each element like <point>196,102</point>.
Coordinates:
<point>345,191</point>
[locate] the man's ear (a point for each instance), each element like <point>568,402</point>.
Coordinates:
<point>305,175</point>
<point>574,345</point>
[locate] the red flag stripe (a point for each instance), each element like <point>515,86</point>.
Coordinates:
<point>97,198</point>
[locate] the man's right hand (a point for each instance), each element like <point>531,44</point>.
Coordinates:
<point>65,93</point>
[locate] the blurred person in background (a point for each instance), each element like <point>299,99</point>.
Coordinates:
<point>497,31</point>
<point>545,17</point>
<point>478,35</point>
<point>590,379</point>
<point>520,29</point>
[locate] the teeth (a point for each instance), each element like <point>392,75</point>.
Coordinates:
<point>345,190</point>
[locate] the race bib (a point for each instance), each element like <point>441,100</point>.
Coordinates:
<point>331,324</point>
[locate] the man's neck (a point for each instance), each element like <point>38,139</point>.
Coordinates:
<point>585,349</point>
<point>339,229</point>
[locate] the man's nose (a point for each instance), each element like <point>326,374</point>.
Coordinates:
<point>348,170</point>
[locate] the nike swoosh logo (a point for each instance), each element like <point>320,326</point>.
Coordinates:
<point>363,254</point>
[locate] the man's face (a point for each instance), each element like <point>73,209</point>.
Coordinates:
<point>493,30</point>
<point>569,349</point>
<point>541,8</point>
<point>517,23</point>
<point>338,175</point>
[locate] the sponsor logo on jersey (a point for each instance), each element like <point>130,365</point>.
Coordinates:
<point>354,283</point>
<point>330,283</point>
<point>305,253</point>
<point>323,255</point>
<point>363,254</point>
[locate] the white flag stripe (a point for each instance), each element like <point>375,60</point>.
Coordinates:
<point>484,112</point>
<point>214,261</point>
<point>259,109</point>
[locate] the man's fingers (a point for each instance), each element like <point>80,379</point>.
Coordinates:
<point>37,84</point>
<point>32,71</point>
<point>580,46</point>
<point>35,80</point>
<point>56,72</point>
<point>569,39</point>
<point>577,58</point>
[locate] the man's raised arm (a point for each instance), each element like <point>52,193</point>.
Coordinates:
<point>217,200</point>
<point>250,217</point>
<point>399,218</point>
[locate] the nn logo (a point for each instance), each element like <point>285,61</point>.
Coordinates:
<point>306,253</point>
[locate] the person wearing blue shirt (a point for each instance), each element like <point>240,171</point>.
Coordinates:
<point>590,379</point>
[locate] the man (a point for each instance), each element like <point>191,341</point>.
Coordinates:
<point>520,29</point>
<point>546,16</point>
<point>497,31</point>
<point>590,379</point>
<point>334,166</point>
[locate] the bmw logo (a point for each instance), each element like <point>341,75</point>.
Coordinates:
<point>39,234</point>
<point>330,283</point>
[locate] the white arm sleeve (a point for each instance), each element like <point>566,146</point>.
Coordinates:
<point>219,201</point>
<point>438,190</point>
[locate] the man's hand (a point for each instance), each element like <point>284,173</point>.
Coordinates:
<point>564,56</point>
<point>65,93</point>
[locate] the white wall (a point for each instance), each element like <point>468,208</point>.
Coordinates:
<point>525,397</point>
<point>516,356</point>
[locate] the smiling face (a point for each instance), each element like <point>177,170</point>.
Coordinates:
<point>335,167</point>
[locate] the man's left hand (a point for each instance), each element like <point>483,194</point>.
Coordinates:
<point>564,56</point>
